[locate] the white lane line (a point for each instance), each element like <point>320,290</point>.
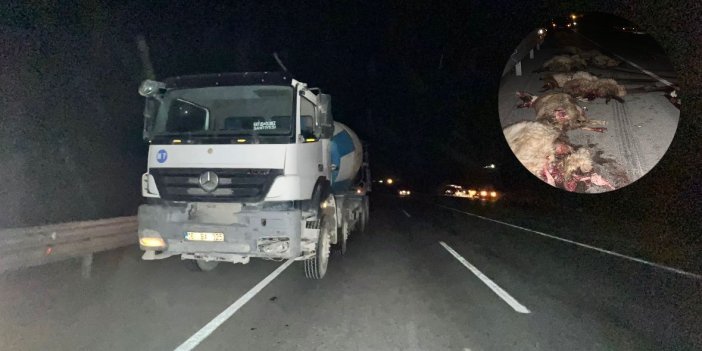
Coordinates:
<point>405,212</point>
<point>657,265</point>
<point>645,71</point>
<point>203,333</point>
<point>496,288</point>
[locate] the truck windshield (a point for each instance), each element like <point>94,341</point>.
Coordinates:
<point>226,111</point>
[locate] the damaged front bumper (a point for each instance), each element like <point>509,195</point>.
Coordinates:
<point>240,232</point>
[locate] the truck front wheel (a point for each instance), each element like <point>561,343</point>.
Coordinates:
<point>200,265</point>
<point>316,267</point>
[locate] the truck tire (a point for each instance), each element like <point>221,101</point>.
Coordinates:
<point>200,265</point>
<point>342,235</point>
<point>316,267</point>
<point>365,213</point>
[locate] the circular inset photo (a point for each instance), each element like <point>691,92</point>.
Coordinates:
<point>589,102</point>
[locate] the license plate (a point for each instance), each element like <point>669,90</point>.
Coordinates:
<point>200,236</point>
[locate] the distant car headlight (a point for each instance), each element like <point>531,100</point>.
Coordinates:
<point>493,194</point>
<point>483,193</point>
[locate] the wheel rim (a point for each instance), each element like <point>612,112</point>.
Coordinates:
<point>324,246</point>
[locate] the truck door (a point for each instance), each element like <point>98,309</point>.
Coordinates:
<point>311,162</point>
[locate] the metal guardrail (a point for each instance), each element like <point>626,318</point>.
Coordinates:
<point>533,40</point>
<point>34,246</point>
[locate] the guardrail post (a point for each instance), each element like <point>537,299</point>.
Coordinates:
<point>86,265</point>
<point>518,68</point>
<point>531,54</point>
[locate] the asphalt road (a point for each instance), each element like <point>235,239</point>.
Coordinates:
<point>397,288</point>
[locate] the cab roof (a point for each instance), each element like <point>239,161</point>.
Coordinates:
<point>228,79</point>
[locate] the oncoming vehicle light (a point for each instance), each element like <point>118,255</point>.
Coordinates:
<point>483,193</point>
<point>493,194</point>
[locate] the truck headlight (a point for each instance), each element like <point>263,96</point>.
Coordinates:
<point>151,239</point>
<point>152,242</point>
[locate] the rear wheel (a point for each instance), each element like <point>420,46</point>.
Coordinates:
<point>365,214</point>
<point>200,265</point>
<point>342,236</point>
<point>316,266</point>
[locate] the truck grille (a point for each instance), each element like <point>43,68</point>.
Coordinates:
<point>245,185</point>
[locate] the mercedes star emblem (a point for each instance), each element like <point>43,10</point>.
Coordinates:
<point>209,181</point>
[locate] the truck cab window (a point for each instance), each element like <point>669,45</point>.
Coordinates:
<point>185,116</point>
<point>307,120</point>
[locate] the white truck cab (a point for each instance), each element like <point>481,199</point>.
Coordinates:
<point>240,166</point>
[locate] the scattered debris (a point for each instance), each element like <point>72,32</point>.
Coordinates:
<point>673,97</point>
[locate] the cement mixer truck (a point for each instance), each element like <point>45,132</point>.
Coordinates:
<point>248,165</point>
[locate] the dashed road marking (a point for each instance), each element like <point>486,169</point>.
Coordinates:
<point>406,214</point>
<point>657,265</point>
<point>494,287</point>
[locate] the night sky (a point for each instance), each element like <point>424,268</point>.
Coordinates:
<point>417,80</point>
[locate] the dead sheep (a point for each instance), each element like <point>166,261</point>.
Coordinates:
<point>564,63</point>
<point>561,111</point>
<point>546,153</point>
<point>604,61</point>
<point>591,89</point>
<point>557,80</point>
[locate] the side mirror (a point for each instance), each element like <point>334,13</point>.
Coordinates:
<point>326,120</point>
<point>151,87</point>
